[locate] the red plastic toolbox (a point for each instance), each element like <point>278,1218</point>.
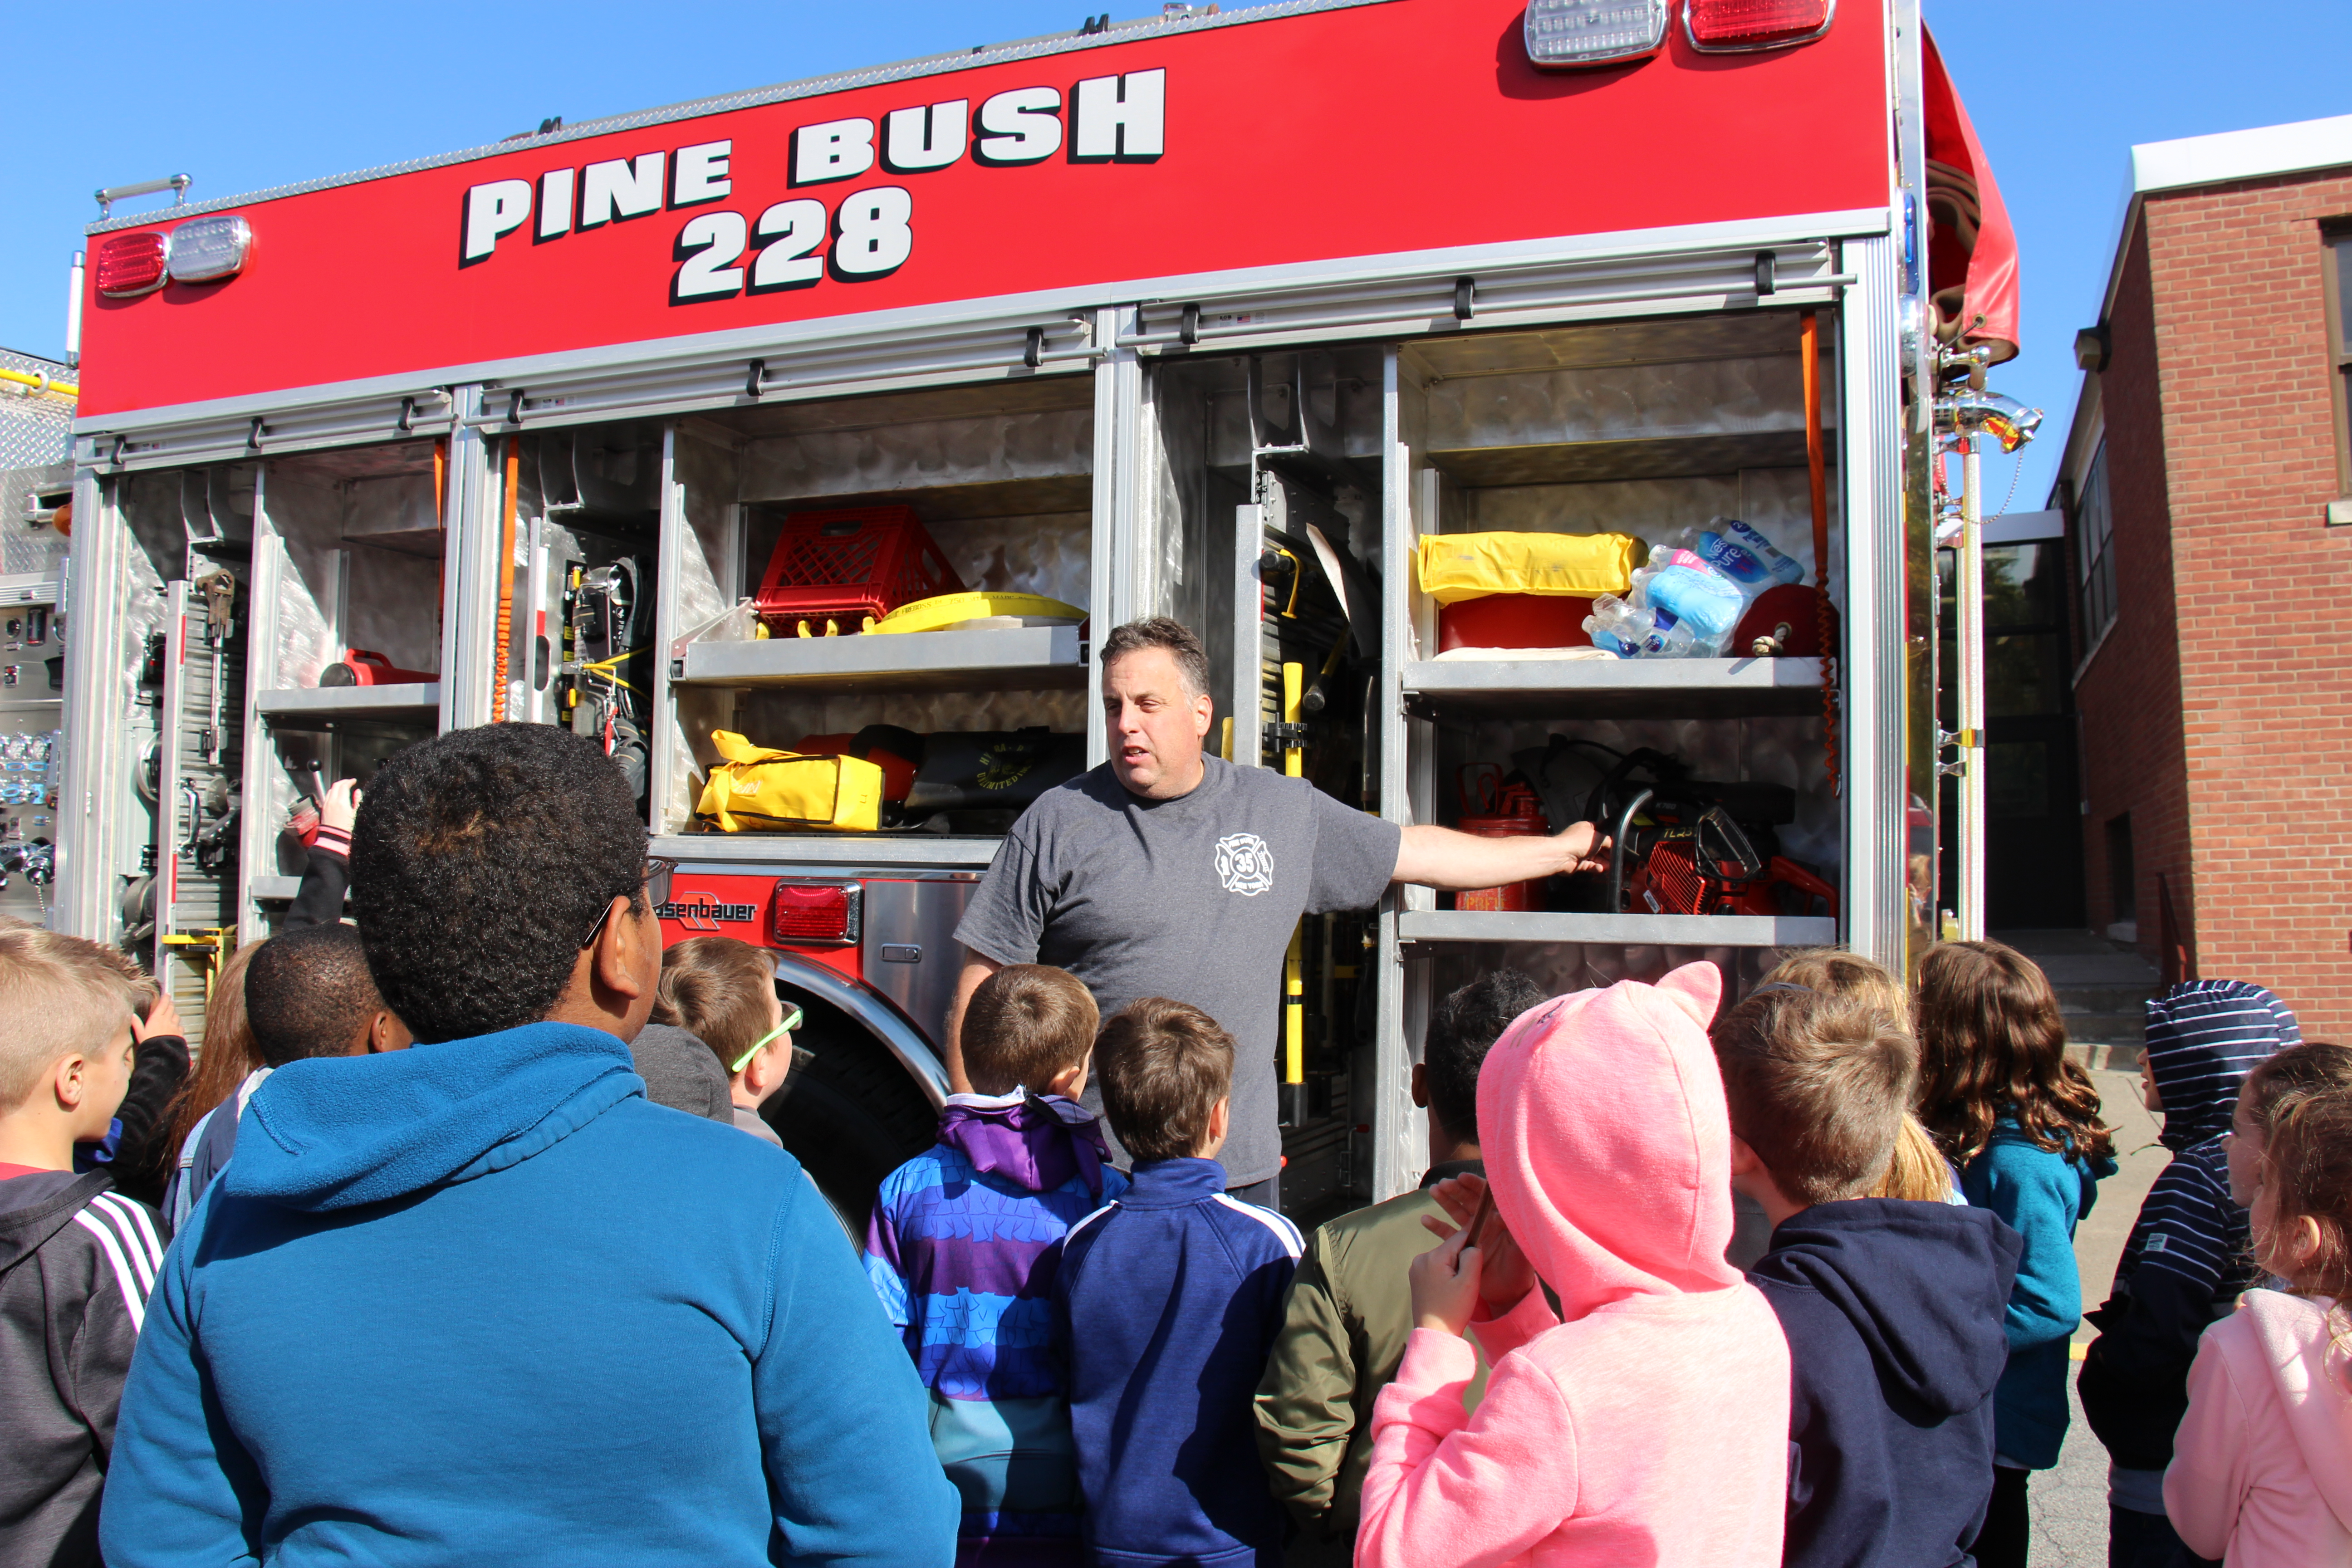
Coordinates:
<point>848,564</point>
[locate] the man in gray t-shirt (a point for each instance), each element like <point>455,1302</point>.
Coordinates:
<point>1166,872</point>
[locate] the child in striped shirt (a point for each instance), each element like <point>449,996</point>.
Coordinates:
<point>2189,1258</point>
<point>962,1248</point>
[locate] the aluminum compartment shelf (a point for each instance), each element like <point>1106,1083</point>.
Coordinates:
<point>771,851</point>
<point>320,707</point>
<point>1644,931</point>
<point>1612,688</point>
<point>1024,658</point>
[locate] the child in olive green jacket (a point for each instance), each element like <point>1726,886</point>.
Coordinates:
<point>1349,1310</point>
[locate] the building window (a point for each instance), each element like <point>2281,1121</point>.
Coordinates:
<point>2095,530</point>
<point>2339,347</point>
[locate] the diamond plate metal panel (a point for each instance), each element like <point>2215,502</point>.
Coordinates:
<point>1017,457</point>
<point>36,428</point>
<point>35,455</point>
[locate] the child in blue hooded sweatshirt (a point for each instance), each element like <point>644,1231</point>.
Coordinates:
<point>2021,1121</point>
<point>478,1300</point>
<point>962,1249</point>
<point>2190,1257</point>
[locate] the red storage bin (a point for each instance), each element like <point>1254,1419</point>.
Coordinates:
<point>1514,620</point>
<point>849,563</point>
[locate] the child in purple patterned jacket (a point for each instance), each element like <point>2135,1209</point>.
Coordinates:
<point>962,1247</point>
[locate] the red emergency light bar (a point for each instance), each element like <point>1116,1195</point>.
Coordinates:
<point>201,251</point>
<point>814,914</point>
<point>130,265</point>
<point>1733,27</point>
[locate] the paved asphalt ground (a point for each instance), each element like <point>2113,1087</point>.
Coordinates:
<point>2070,1503</point>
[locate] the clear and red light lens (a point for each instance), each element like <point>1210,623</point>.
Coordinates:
<point>1728,25</point>
<point>130,265</point>
<point>813,913</point>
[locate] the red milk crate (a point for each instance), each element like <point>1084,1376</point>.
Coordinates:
<point>848,564</point>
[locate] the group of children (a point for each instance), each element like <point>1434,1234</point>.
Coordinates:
<point>1563,1365</point>
<point>1547,1353</point>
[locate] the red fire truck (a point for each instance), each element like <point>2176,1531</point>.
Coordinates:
<point>1218,315</point>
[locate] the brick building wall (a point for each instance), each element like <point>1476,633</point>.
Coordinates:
<point>2130,695</point>
<point>2249,813</point>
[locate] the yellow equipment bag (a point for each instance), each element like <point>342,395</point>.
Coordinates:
<point>756,788</point>
<point>1458,566</point>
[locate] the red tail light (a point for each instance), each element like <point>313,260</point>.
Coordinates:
<point>1725,26</point>
<point>814,914</point>
<point>130,265</point>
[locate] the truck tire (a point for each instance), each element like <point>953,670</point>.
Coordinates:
<point>849,1113</point>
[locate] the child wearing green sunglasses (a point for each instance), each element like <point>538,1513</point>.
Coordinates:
<point>723,991</point>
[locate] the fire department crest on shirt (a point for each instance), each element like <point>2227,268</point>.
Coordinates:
<point>1244,864</point>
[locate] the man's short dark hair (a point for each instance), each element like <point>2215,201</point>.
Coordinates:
<point>1164,1065</point>
<point>1817,1084</point>
<point>480,862</point>
<point>1159,631</point>
<point>1026,1026</point>
<point>1462,1027</point>
<point>308,993</point>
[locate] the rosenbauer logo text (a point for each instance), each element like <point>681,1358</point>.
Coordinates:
<point>800,242</point>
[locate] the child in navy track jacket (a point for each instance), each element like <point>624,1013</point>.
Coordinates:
<point>1170,1300</point>
<point>77,1258</point>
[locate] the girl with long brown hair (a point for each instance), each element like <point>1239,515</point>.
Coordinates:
<point>2022,1122</point>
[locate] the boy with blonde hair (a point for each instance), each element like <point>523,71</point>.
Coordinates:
<point>77,1258</point>
<point>1892,1308</point>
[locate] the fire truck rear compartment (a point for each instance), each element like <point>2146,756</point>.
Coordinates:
<point>347,569</point>
<point>1000,477</point>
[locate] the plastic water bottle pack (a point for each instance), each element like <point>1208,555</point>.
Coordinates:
<point>1686,603</point>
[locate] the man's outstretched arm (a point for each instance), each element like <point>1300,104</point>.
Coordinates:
<point>1434,856</point>
<point>975,970</point>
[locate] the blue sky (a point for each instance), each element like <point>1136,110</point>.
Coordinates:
<point>248,96</point>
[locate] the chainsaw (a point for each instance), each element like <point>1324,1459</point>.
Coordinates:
<point>1682,846</point>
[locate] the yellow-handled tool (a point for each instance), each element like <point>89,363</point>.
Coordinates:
<point>1294,687</point>
<point>1294,1031</point>
<point>1293,970</point>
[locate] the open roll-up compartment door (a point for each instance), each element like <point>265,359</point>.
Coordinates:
<point>1971,249</point>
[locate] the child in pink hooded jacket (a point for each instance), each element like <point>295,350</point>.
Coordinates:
<point>1649,1422</point>
<point>2261,1465</point>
